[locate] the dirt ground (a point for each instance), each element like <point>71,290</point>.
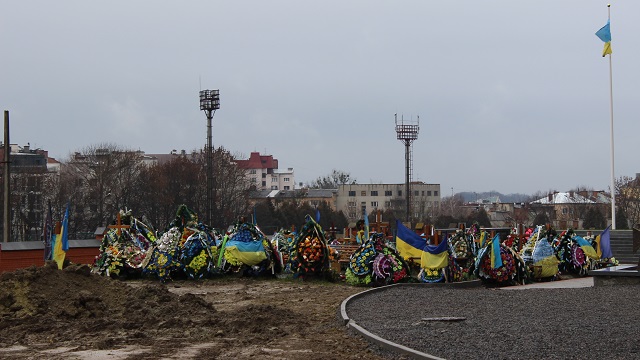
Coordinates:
<point>46,313</point>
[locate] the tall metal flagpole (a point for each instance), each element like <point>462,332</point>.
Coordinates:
<point>613,182</point>
<point>6,231</point>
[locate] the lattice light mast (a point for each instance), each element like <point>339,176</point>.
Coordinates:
<point>209,103</point>
<point>407,133</point>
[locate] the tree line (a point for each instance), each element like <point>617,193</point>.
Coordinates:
<point>100,180</point>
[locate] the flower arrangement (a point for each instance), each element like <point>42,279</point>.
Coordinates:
<point>460,245</point>
<point>185,247</point>
<point>460,269</point>
<point>123,251</point>
<point>376,262</point>
<point>198,254</point>
<point>254,262</point>
<point>362,259</point>
<point>162,264</point>
<point>310,253</point>
<point>428,275</point>
<point>355,280</point>
<point>503,273</point>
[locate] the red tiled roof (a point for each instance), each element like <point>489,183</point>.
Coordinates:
<point>257,161</point>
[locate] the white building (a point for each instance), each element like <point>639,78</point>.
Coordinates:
<point>351,199</point>
<point>263,173</point>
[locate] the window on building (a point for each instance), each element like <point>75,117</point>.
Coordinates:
<point>399,192</point>
<point>416,193</point>
<point>429,193</point>
<point>252,171</point>
<point>388,193</point>
<point>264,183</point>
<point>351,203</point>
<point>352,193</point>
<point>374,204</point>
<point>374,192</point>
<point>274,179</point>
<point>274,187</point>
<point>286,179</point>
<point>363,193</point>
<point>435,193</point>
<point>352,215</point>
<point>387,204</point>
<point>422,192</point>
<point>565,211</point>
<point>253,180</point>
<point>287,187</point>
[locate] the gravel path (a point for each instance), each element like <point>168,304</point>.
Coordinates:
<point>579,323</point>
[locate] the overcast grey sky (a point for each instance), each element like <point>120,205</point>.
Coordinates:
<point>512,96</point>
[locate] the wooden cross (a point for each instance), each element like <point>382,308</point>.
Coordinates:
<point>118,225</point>
<point>379,225</point>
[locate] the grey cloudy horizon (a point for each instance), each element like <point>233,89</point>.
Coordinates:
<point>512,96</point>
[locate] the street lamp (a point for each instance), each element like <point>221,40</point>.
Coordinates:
<point>209,103</point>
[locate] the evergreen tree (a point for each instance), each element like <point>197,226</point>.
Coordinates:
<point>541,219</point>
<point>481,217</point>
<point>593,219</point>
<point>622,223</point>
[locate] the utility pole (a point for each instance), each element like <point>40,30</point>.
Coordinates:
<point>6,233</point>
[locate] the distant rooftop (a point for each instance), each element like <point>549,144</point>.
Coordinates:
<point>564,198</point>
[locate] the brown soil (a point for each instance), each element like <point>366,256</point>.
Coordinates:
<point>46,313</point>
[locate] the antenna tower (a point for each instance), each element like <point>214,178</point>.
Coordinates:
<point>407,133</point>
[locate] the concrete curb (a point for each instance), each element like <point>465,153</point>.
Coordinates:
<point>386,344</point>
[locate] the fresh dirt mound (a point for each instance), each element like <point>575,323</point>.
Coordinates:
<point>45,300</point>
<point>74,313</point>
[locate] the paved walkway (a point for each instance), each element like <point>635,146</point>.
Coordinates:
<point>570,282</point>
<point>558,284</point>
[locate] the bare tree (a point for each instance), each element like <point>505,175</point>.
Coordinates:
<point>98,181</point>
<point>232,189</point>
<point>627,190</point>
<point>331,181</point>
<point>161,188</point>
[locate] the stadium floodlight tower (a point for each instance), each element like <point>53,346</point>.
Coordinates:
<point>209,103</point>
<point>407,133</point>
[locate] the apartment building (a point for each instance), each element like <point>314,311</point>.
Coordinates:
<point>263,173</point>
<point>351,199</point>
<point>29,169</point>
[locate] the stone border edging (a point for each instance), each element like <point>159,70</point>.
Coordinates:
<point>386,344</point>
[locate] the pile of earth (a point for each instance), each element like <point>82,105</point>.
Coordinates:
<point>74,302</point>
<point>73,313</point>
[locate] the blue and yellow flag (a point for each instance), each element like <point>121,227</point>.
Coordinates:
<point>247,252</point>
<point>496,259</point>
<point>586,247</point>
<point>366,225</point>
<point>61,242</point>
<point>604,244</point>
<point>435,257</point>
<point>408,243</point>
<point>482,239</point>
<point>605,35</point>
